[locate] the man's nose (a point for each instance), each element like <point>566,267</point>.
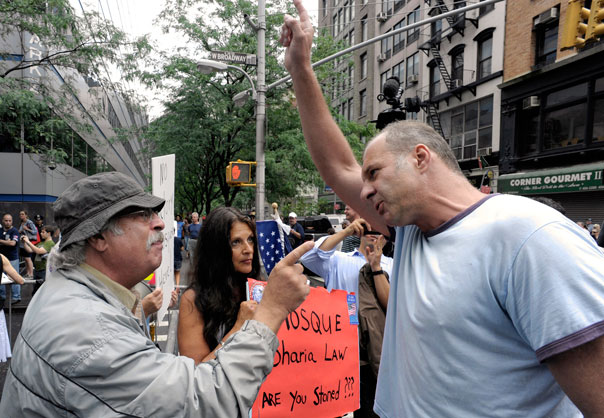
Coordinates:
<point>157,223</point>
<point>367,192</point>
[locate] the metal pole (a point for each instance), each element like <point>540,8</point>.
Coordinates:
<point>260,110</point>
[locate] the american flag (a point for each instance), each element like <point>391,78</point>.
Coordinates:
<point>271,243</point>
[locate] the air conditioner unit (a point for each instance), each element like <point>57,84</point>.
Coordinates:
<point>483,152</point>
<point>456,83</point>
<point>546,17</point>
<point>382,17</point>
<point>531,102</point>
<point>381,57</point>
<point>412,79</point>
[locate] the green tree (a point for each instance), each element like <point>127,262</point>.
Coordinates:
<point>201,125</point>
<point>59,50</point>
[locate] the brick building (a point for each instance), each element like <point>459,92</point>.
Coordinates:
<point>552,101</point>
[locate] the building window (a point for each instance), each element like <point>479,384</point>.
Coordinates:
<point>398,40</point>
<point>469,127</point>
<point>363,66</point>
<point>364,28</point>
<point>546,37</point>
<point>398,71</point>
<point>412,68</point>
<point>412,18</point>
<point>350,76</point>
<point>564,118</point>
<point>350,109</point>
<point>485,56</point>
<point>457,64</point>
<point>436,29</point>
<point>398,4</point>
<point>335,25</point>
<point>434,79</point>
<point>363,103</point>
<point>383,77</point>
<point>351,37</point>
<point>323,7</point>
<point>483,10</point>
<point>387,7</point>
<point>386,51</point>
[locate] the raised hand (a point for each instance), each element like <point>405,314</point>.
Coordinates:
<point>297,37</point>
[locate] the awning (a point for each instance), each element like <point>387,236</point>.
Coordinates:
<point>576,178</point>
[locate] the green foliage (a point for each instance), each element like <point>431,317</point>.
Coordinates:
<point>203,128</point>
<point>56,39</point>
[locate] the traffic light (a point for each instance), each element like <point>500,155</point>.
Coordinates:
<point>575,26</point>
<point>595,27</point>
<point>239,173</point>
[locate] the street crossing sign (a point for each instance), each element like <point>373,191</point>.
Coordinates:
<point>233,57</point>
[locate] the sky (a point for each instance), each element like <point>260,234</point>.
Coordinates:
<point>136,17</point>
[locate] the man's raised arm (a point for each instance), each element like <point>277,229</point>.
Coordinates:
<point>328,147</point>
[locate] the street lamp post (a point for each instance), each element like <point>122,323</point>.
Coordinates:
<point>258,94</point>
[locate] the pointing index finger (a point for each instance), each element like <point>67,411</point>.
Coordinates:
<point>295,255</point>
<point>304,17</point>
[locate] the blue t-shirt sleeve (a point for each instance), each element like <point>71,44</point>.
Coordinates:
<point>555,289</point>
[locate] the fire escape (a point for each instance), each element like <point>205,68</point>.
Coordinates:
<point>455,86</point>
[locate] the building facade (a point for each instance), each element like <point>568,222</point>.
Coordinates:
<point>552,99</point>
<point>32,180</point>
<point>449,68</point>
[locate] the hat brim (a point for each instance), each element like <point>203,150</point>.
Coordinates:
<point>93,225</point>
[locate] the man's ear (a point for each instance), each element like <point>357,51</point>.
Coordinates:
<point>422,156</point>
<point>98,242</point>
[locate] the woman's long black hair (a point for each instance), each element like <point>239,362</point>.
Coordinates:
<point>219,289</point>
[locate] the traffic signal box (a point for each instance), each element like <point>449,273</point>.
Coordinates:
<point>582,25</point>
<point>239,173</point>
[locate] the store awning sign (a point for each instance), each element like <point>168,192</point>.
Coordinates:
<point>564,180</point>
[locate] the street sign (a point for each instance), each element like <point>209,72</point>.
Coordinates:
<point>233,57</point>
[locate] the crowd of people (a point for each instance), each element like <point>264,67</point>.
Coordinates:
<point>469,305</point>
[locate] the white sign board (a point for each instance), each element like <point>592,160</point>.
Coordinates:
<point>163,173</point>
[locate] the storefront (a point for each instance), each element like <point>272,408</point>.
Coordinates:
<point>579,188</point>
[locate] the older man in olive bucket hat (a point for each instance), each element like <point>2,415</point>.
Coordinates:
<point>81,350</point>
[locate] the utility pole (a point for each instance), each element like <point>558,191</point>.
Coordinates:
<point>260,110</point>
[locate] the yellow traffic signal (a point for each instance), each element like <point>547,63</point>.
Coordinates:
<point>595,27</point>
<point>239,173</point>
<point>575,26</point>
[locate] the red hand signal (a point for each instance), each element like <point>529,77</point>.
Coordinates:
<point>236,172</point>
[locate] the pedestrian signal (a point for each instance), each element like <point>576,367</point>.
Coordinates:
<point>239,173</point>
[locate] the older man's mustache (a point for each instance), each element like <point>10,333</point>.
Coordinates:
<point>156,236</point>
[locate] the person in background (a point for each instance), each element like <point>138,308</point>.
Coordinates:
<point>178,249</point>
<point>9,247</point>
<point>81,332</point>
<point>7,268</point>
<point>39,221</point>
<point>296,234</point>
<point>195,226</point>
<point>187,234</point>
<point>41,251</point>
<point>351,242</point>
<point>215,305</point>
<point>28,228</point>
<point>179,226</point>
<point>365,273</point>
<point>595,231</point>
<point>589,224</point>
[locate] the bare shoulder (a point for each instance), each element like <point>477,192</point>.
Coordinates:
<point>187,302</point>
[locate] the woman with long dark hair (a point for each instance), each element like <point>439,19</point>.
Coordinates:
<point>214,306</point>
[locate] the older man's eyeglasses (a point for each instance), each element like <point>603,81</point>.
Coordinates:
<point>146,215</point>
